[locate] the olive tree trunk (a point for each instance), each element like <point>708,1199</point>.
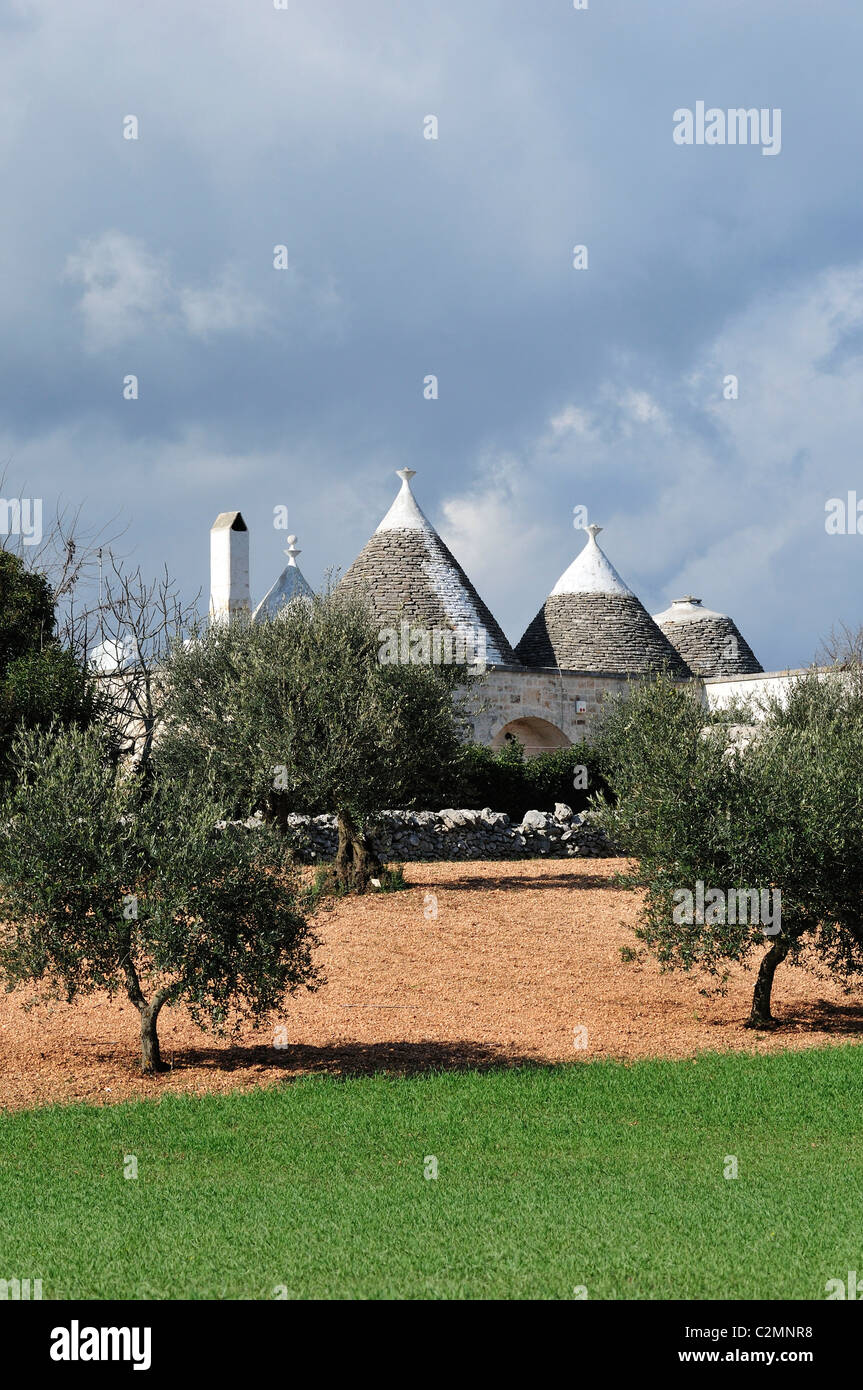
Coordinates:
<point>761,1017</point>
<point>148,1010</point>
<point>151,1056</point>
<point>356,861</point>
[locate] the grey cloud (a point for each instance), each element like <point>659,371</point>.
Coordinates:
<point>411,256</point>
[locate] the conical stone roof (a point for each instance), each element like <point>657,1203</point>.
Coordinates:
<point>407,573</point>
<point>290,584</point>
<point>710,643</point>
<point>592,621</point>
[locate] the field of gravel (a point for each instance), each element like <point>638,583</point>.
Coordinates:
<point>520,963</point>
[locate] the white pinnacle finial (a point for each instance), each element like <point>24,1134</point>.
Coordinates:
<point>591,572</point>
<point>292,551</point>
<point>404,514</point>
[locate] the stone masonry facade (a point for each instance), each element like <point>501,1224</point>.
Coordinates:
<point>568,700</point>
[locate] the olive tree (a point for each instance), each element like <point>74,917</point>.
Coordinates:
<point>300,712</point>
<point>110,882</point>
<point>768,825</point>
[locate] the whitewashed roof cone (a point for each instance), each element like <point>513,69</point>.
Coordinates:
<point>405,513</point>
<point>591,572</point>
<point>710,643</point>
<point>406,572</point>
<point>290,584</point>
<point>592,621</point>
<point>114,654</point>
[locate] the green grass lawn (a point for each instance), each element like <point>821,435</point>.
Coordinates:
<point>594,1174</point>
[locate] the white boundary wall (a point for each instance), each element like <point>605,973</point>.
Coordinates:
<point>720,691</point>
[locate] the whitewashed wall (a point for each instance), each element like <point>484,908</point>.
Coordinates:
<point>720,691</point>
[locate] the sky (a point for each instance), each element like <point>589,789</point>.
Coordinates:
<point>603,387</point>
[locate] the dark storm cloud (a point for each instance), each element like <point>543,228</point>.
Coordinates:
<point>452,257</point>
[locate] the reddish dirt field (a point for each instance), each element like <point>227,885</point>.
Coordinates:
<point>520,956</point>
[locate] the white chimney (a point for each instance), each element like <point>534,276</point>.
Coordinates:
<point>229,567</point>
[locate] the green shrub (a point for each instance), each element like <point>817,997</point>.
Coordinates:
<point>26,609</point>
<point>505,780</point>
<point>39,688</point>
<point>41,683</point>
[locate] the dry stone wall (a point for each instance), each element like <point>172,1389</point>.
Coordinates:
<point>454,834</point>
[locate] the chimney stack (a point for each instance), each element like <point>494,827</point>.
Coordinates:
<point>229,567</point>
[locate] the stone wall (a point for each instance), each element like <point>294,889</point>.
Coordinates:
<point>451,834</point>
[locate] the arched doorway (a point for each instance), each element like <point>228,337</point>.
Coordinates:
<point>534,734</point>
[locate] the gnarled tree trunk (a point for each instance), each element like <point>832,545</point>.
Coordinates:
<point>356,861</point>
<point>151,1056</point>
<point>148,1010</point>
<point>761,1017</point>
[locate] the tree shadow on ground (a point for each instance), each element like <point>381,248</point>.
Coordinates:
<point>820,1016</point>
<point>357,1059</point>
<point>514,883</point>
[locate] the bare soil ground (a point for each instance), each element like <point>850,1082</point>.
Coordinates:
<point>520,956</point>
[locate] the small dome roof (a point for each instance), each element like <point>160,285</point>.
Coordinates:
<point>114,654</point>
<point>592,621</point>
<point>406,572</point>
<point>709,642</point>
<point>290,584</point>
<point>686,610</point>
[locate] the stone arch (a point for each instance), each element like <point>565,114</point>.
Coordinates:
<point>534,732</point>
